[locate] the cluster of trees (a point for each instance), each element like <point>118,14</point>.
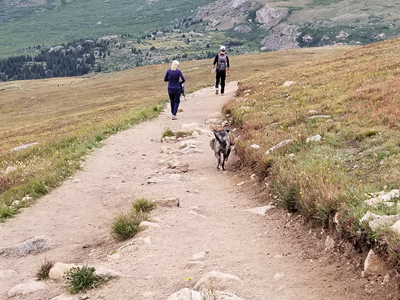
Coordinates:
<point>72,59</point>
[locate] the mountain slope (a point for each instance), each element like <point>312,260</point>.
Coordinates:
<point>269,25</point>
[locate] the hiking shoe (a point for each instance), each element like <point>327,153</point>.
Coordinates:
<point>174,118</point>
<point>216,92</point>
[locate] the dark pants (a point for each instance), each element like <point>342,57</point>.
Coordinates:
<point>175,99</point>
<point>221,75</point>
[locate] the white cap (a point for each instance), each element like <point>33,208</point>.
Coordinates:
<point>222,48</point>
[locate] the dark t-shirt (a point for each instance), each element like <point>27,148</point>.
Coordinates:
<point>173,78</point>
<point>216,60</point>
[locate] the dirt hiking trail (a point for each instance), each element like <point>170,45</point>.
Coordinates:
<point>272,257</point>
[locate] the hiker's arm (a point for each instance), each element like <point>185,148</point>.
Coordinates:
<point>227,64</point>
<point>166,77</point>
<point>214,63</point>
<point>183,78</point>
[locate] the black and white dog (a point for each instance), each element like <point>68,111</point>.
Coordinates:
<point>182,90</point>
<point>221,146</point>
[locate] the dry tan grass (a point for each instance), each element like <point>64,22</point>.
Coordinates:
<point>68,116</point>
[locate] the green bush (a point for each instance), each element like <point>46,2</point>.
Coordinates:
<point>83,278</point>
<point>125,226</point>
<point>143,205</point>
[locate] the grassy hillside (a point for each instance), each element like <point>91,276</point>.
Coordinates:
<point>28,23</point>
<point>49,22</point>
<point>70,116</point>
<point>352,101</point>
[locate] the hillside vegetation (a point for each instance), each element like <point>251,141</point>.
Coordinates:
<point>69,116</point>
<point>351,101</point>
<point>245,25</point>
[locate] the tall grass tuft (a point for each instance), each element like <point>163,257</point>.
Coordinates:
<point>44,269</point>
<point>80,279</point>
<point>143,205</point>
<point>126,225</point>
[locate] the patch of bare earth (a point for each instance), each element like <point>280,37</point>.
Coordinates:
<point>278,256</point>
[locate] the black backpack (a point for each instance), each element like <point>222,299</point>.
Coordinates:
<point>222,62</point>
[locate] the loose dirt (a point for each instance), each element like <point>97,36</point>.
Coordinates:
<point>277,257</point>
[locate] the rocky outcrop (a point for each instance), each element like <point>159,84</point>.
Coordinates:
<point>270,16</point>
<point>223,14</point>
<point>281,37</point>
<point>35,244</point>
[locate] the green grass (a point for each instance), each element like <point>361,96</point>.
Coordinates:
<point>167,133</point>
<point>142,206</point>
<point>71,116</point>
<point>87,19</point>
<point>80,279</point>
<point>63,156</point>
<point>359,152</point>
<point>126,225</point>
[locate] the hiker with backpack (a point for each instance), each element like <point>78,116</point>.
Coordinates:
<point>175,80</point>
<point>221,60</point>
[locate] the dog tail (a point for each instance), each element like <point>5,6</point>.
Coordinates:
<point>221,141</point>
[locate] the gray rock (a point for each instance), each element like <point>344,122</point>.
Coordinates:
<point>186,294</point>
<point>24,147</point>
<point>374,265</point>
<point>214,276</point>
<point>187,143</point>
<point>312,112</point>
<point>383,221</point>
<point>108,272</point>
<point>368,217</point>
<point>288,83</point>
<point>396,227</point>
<point>329,243</point>
<point>26,288</point>
<point>280,145</point>
<point>149,224</point>
<point>189,149</point>
<point>199,256</point>
<point>213,121</point>
<point>320,117</point>
<point>183,168</point>
<point>192,264</point>
<point>315,138</point>
<point>167,202</point>
<point>173,163</point>
<point>261,210</point>
<point>278,276</point>
<point>35,244</point>
<point>59,269</point>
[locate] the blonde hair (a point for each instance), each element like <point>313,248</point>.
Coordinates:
<point>175,65</point>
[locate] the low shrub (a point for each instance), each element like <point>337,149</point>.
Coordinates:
<point>80,279</point>
<point>125,226</point>
<point>44,269</point>
<point>143,205</point>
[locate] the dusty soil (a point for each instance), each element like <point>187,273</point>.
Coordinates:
<point>279,256</point>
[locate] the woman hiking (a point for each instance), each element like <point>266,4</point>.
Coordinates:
<point>175,78</point>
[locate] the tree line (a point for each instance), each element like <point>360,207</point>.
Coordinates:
<point>72,59</point>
